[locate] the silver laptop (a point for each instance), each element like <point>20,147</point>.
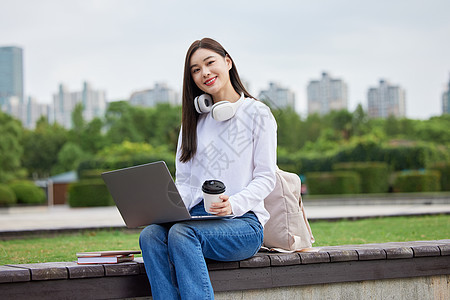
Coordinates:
<point>146,194</point>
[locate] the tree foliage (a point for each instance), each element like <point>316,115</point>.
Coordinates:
<point>126,129</point>
<point>42,147</point>
<point>120,123</point>
<point>10,148</point>
<point>156,125</point>
<point>69,157</point>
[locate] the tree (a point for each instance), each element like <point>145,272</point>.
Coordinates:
<point>341,121</point>
<point>93,140</point>
<point>10,148</point>
<point>41,147</point>
<point>88,136</point>
<point>391,126</point>
<point>289,133</point>
<point>313,127</point>
<point>436,129</point>
<point>158,125</point>
<point>360,121</point>
<point>120,123</point>
<point>69,158</point>
<point>78,123</point>
<point>166,124</point>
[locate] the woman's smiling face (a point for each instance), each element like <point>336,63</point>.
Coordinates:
<point>210,71</point>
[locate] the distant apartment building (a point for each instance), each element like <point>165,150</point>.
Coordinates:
<point>11,75</point>
<point>64,102</point>
<point>28,112</point>
<point>160,93</point>
<point>386,100</point>
<point>35,111</point>
<point>15,107</point>
<point>327,94</point>
<point>446,100</point>
<point>277,97</point>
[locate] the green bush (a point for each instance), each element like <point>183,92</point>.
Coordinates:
<point>337,182</point>
<point>362,151</point>
<point>287,162</point>
<point>28,193</point>
<point>417,181</point>
<point>399,156</point>
<point>412,157</point>
<point>444,169</point>
<point>89,192</point>
<point>315,162</point>
<point>7,196</point>
<point>374,175</point>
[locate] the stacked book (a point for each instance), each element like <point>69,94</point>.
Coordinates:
<point>106,257</point>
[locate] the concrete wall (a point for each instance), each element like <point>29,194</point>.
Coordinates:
<point>415,288</point>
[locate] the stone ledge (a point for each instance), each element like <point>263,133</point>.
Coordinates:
<point>332,264</point>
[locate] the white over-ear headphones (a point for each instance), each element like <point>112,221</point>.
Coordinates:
<point>220,111</point>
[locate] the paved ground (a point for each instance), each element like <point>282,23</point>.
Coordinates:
<point>62,217</point>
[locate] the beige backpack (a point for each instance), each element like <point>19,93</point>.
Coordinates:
<point>288,229</point>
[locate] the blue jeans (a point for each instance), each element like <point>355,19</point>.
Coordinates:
<point>174,254</point>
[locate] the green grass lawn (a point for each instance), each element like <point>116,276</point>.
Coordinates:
<point>64,247</point>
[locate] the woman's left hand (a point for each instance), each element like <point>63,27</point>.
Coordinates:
<point>222,208</point>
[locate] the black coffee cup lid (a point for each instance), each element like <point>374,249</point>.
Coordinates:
<point>213,187</point>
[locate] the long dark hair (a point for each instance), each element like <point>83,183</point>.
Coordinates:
<point>189,115</point>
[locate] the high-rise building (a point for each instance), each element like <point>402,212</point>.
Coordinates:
<point>277,97</point>
<point>446,100</point>
<point>35,111</point>
<point>11,74</point>
<point>327,94</point>
<point>160,93</point>
<point>15,107</point>
<point>27,112</point>
<point>386,100</point>
<point>64,102</point>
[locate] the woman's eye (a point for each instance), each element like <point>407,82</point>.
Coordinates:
<point>211,62</point>
<point>195,71</point>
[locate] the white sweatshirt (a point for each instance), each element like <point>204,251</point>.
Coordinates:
<point>240,152</point>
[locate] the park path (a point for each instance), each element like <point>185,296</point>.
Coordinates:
<point>63,217</point>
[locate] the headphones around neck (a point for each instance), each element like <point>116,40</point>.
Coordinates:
<point>220,111</point>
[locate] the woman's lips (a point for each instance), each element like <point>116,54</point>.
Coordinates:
<point>210,81</point>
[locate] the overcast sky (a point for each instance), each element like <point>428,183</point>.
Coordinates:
<point>121,46</point>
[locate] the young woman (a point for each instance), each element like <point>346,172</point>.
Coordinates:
<point>234,143</point>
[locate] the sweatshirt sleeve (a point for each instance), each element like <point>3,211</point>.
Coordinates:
<point>264,161</point>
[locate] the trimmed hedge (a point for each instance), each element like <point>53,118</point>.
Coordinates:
<point>88,193</point>
<point>417,181</point>
<point>28,193</point>
<point>315,162</point>
<point>337,182</point>
<point>412,156</point>
<point>7,196</point>
<point>374,175</point>
<point>362,151</point>
<point>288,163</point>
<point>444,169</point>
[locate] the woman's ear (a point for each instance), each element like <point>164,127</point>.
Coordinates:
<point>229,62</point>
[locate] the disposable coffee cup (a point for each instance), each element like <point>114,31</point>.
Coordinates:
<point>212,189</point>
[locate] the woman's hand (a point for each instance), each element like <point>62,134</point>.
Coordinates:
<point>222,208</point>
